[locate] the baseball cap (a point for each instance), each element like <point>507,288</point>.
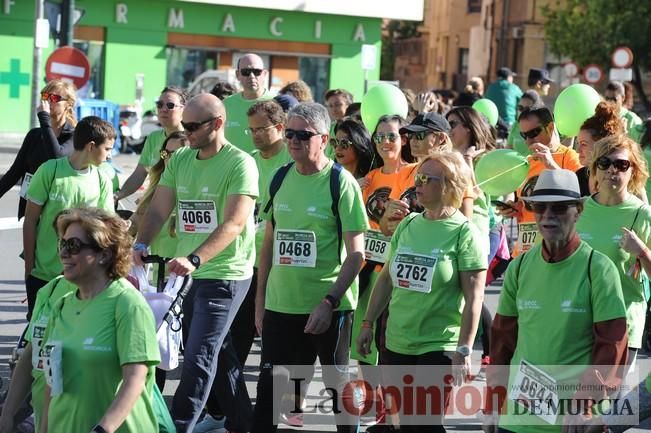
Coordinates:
<point>539,74</point>
<point>427,122</point>
<point>505,73</point>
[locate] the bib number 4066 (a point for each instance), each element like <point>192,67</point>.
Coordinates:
<point>196,217</point>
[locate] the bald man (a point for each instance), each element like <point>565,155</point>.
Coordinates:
<point>212,185</point>
<point>253,77</point>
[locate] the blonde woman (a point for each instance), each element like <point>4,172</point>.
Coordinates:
<point>52,139</point>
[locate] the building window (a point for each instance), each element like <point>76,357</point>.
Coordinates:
<point>474,6</point>
<point>185,64</point>
<point>94,50</point>
<point>315,72</point>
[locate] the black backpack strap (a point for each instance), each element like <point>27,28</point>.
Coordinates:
<point>335,193</point>
<point>590,267</point>
<point>274,186</point>
<point>637,213</point>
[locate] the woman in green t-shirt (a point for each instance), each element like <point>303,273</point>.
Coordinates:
<point>617,223</point>
<point>434,279</point>
<point>100,344</point>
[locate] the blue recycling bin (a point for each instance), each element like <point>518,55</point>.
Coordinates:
<point>105,110</point>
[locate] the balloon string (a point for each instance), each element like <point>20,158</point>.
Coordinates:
<point>502,173</point>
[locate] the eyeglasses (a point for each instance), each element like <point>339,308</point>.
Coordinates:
<point>166,154</point>
<point>253,131</point>
<point>73,246</point>
<point>168,105</point>
<point>420,135</point>
<point>300,135</point>
<point>558,208</point>
<point>454,123</point>
<point>343,143</point>
<point>53,98</point>
<point>193,126</point>
<point>421,179</point>
<point>621,165</point>
<point>532,133</point>
<point>248,71</point>
<point>379,137</point>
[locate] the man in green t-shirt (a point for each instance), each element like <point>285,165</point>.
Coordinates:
<point>61,184</point>
<point>307,282</point>
<point>561,321</point>
<point>213,186</point>
<point>252,76</point>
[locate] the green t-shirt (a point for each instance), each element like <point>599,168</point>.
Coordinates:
<point>481,220</point>
<point>305,261</point>
<point>98,337</point>
<point>556,307</point>
<point>237,121</point>
<point>202,188</point>
<point>109,172</point>
<point>330,150</point>
<point>266,169</point>
<point>151,149</point>
<point>46,298</point>
<point>630,118</point>
<point>637,132</point>
<point>425,259</point>
<point>57,186</point>
<point>601,227</point>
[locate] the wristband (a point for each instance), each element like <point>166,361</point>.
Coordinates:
<point>643,254</point>
<point>367,324</point>
<point>140,246</point>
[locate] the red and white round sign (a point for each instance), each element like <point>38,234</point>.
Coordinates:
<point>622,57</point>
<point>593,74</point>
<point>571,69</point>
<point>68,64</point>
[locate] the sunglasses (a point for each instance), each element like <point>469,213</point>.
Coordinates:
<point>253,131</point>
<point>343,143</point>
<point>420,135</point>
<point>248,71</point>
<point>193,126</point>
<point>73,246</point>
<point>300,135</point>
<point>168,105</point>
<point>559,208</point>
<point>379,137</point>
<point>421,179</point>
<point>532,133</point>
<point>621,165</point>
<point>53,98</point>
<point>166,154</point>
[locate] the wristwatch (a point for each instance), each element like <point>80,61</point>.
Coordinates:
<point>464,350</point>
<point>195,260</point>
<point>99,429</point>
<point>334,302</point>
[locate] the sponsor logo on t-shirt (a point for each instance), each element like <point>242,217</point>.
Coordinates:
<point>311,211</point>
<point>88,346</point>
<point>528,304</point>
<point>566,307</point>
<point>282,207</point>
<point>585,236</point>
<point>375,205</point>
<point>616,238</point>
<point>182,189</point>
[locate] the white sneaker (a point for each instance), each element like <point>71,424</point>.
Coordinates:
<point>210,424</point>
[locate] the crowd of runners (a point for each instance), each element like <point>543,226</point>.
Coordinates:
<point>333,239</point>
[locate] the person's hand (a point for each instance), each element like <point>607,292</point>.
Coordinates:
<point>471,153</point>
<point>460,368</point>
<point>363,182</point>
<point>44,106</point>
<point>319,320</point>
<point>364,340</point>
<point>425,102</point>
<point>490,422</point>
<point>542,153</point>
<point>259,317</point>
<point>510,212</point>
<point>396,209</point>
<point>631,243</point>
<point>181,266</point>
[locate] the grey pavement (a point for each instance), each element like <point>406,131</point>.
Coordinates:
<point>13,307</point>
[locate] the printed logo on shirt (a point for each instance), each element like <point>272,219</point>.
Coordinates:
<point>88,341</point>
<point>182,189</point>
<point>375,205</point>
<point>585,236</point>
<point>204,189</point>
<point>528,304</point>
<point>88,346</point>
<point>56,196</point>
<point>282,207</point>
<point>232,123</point>
<point>311,211</point>
<point>566,307</point>
<point>616,238</point>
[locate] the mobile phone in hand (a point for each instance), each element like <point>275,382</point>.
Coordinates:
<point>503,205</point>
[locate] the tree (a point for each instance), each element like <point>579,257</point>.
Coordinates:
<point>394,30</point>
<point>589,30</point>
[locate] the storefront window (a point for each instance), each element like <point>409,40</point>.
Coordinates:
<point>94,50</point>
<point>185,64</point>
<point>315,72</point>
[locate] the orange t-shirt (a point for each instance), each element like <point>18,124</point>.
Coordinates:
<point>381,187</point>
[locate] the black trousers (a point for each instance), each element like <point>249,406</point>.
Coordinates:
<point>32,286</point>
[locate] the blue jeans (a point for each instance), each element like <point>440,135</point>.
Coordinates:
<point>209,310</point>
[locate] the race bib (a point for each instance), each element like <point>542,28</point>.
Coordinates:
<point>52,353</point>
<point>376,246</point>
<point>25,185</point>
<point>533,388</point>
<point>197,216</point>
<point>527,235</point>
<point>295,248</point>
<point>38,333</point>
<point>413,272</point>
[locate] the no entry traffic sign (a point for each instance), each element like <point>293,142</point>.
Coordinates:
<point>593,74</point>
<point>69,64</point>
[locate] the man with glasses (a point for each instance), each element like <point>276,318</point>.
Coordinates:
<point>561,317</point>
<point>307,283</point>
<point>253,77</point>
<point>538,131</point>
<point>615,93</point>
<point>213,186</point>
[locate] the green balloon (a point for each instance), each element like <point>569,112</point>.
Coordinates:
<point>501,171</point>
<point>488,109</point>
<point>573,106</point>
<point>381,100</point>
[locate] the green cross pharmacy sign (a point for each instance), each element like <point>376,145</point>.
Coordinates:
<point>14,78</point>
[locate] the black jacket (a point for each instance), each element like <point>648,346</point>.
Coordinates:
<point>40,145</point>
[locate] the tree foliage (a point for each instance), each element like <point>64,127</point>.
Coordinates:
<point>395,30</point>
<point>589,30</point>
